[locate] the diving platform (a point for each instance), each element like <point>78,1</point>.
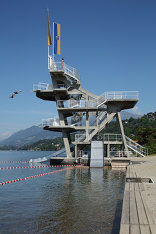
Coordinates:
<point>80,111</point>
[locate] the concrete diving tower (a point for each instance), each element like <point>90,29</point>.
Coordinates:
<point>79,110</point>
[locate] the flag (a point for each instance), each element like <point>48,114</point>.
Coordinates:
<point>57,48</point>
<point>49,36</point>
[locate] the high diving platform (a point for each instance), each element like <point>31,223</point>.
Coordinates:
<point>82,115</point>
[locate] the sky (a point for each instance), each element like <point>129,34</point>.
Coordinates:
<point>112,44</point>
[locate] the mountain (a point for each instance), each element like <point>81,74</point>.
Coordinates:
<point>35,133</point>
<point>28,136</point>
<point>127,115</point>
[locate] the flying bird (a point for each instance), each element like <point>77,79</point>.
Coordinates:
<point>14,93</point>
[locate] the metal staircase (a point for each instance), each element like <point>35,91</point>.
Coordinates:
<point>135,147</point>
<point>71,73</point>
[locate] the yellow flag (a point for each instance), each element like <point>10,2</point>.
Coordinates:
<point>49,36</point>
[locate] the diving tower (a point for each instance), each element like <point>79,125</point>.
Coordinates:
<point>80,111</point>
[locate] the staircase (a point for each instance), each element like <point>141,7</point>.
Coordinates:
<point>71,73</point>
<point>135,147</point>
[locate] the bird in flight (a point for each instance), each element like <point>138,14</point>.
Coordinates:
<point>14,93</point>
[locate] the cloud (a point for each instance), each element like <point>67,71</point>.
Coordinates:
<point>136,111</point>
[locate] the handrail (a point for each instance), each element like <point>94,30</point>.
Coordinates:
<point>72,103</point>
<point>68,70</point>
<point>42,86</point>
<point>112,137</point>
<point>101,137</point>
<point>136,147</point>
<point>50,122</point>
<point>133,142</point>
<point>119,153</point>
<point>132,145</point>
<point>119,95</point>
<point>80,137</point>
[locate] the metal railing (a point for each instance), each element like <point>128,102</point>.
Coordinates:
<point>102,116</point>
<point>42,86</point>
<point>123,95</point>
<point>112,137</point>
<point>118,95</point>
<point>75,103</point>
<point>50,122</point>
<point>136,147</point>
<point>119,153</point>
<point>100,137</point>
<point>68,70</point>
<point>132,145</point>
<point>80,137</point>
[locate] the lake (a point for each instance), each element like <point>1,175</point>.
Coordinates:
<point>78,200</point>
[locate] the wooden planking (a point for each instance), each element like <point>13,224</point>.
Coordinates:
<point>124,229</point>
<point>128,172</point>
<point>134,229</point>
<point>133,209</point>
<point>131,186</point>
<point>141,186</point>
<point>127,186</point>
<point>136,186</point>
<point>132,172</point>
<point>135,171</point>
<point>144,229</point>
<point>136,217</point>
<point>148,215</point>
<point>125,209</point>
<point>153,228</point>
<point>140,207</point>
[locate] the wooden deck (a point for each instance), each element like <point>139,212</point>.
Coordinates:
<point>136,217</point>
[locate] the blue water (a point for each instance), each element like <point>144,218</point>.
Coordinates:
<point>72,201</point>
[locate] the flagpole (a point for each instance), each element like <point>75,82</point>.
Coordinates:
<point>48,39</point>
<point>53,41</point>
<point>48,58</point>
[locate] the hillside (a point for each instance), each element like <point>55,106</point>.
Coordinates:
<point>28,136</point>
<point>45,145</point>
<point>35,133</point>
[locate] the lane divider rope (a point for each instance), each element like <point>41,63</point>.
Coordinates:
<point>35,176</point>
<point>10,168</point>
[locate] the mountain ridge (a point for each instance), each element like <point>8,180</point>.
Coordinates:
<point>35,133</point>
<point>28,135</point>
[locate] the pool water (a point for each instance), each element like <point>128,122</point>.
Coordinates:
<point>77,200</point>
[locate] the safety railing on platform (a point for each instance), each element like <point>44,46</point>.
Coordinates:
<point>42,86</point>
<point>132,145</point>
<point>119,153</point>
<point>100,102</point>
<point>59,66</point>
<point>75,104</point>
<point>100,137</point>
<point>50,122</point>
<point>112,137</point>
<point>118,95</point>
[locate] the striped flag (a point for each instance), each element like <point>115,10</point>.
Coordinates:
<point>57,41</point>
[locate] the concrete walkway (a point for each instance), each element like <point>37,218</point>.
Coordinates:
<point>139,204</point>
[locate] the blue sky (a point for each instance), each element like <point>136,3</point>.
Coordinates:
<point>112,43</point>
